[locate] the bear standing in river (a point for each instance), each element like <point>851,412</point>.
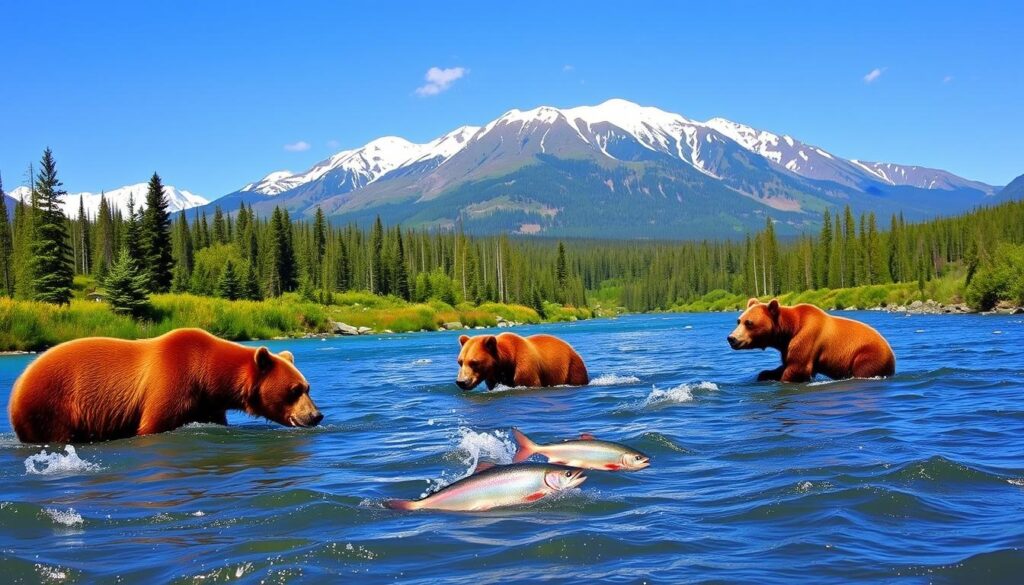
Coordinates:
<point>97,388</point>
<point>535,361</point>
<point>812,342</point>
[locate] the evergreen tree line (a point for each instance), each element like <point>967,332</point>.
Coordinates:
<point>240,255</point>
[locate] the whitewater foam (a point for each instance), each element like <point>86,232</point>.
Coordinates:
<point>613,380</point>
<point>675,395</point>
<point>67,463</point>
<point>66,517</point>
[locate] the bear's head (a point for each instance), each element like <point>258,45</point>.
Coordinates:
<point>757,326</point>
<point>478,360</point>
<point>280,392</point>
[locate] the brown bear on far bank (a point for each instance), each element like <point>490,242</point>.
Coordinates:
<point>511,360</point>
<point>812,342</point>
<point>97,388</point>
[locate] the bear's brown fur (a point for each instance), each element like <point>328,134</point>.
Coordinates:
<point>535,361</point>
<point>97,388</point>
<point>812,342</point>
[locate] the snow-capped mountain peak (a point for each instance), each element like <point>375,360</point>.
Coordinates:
<point>177,199</point>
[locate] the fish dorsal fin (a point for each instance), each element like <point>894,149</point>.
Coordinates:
<point>482,466</point>
<point>587,437</point>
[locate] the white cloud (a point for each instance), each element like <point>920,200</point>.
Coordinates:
<point>947,79</point>
<point>300,146</point>
<point>332,143</point>
<point>567,68</point>
<point>439,80</point>
<point>874,74</point>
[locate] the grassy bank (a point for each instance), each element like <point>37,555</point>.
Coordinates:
<point>32,326</point>
<point>947,290</point>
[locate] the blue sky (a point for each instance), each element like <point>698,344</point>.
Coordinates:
<point>216,94</point>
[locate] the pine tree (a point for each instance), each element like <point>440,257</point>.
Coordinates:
<point>251,284</point>
<point>319,247</point>
<point>183,255</point>
<point>126,286</point>
<point>399,269</point>
<point>824,251</point>
<point>52,268</point>
<point>103,240</point>
<point>377,276</point>
<point>6,248</point>
<point>23,234</point>
<point>561,274</point>
<point>132,240</point>
<point>155,237</point>
<point>219,230</point>
<point>228,285</point>
<point>84,241</point>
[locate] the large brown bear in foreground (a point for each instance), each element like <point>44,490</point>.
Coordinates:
<point>812,342</point>
<point>97,388</point>
<point>535,361</point>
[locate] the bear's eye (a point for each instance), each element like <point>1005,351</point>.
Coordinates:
<point>749,323</point>
<point>296,392</point>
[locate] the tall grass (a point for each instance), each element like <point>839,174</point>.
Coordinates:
<point>28,325</point>
<point>947,289</point>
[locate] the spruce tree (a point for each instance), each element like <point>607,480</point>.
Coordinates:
<point>126,286</point>
<point>24,228</point>
<point>319,246</point>
<point>52,268</point>
<point>155,237</point>
<point>228,285</point>
<point>132,238</point>
<point>6,248</point>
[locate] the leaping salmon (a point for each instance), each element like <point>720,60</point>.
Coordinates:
<point>497,486</point>
<point>587,452</point>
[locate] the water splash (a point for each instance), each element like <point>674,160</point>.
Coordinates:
<point>613,380</point>
<point>472,447</point>
<point>675,395</point>
<point>67,463</point>
<point>67,517</point>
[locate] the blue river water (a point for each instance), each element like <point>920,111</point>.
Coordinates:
<point>914,479</point>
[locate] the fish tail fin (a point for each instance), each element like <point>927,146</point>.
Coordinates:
<point>524,446</point>
<point>405,505</point>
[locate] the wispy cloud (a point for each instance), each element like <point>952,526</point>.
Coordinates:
<point>947,79</point>
<point>439,80</point>
<point>567,68</point>
<point>300,146</point>
<point>332,143</point>
<point>874,74</point>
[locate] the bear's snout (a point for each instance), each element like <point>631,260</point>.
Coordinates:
<point>465,383</point>
<point>733,342</point>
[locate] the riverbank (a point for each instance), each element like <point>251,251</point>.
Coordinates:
<point>33,326</point>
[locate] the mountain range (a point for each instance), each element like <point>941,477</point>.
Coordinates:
<point>177,199</point>
<point>614,170</point>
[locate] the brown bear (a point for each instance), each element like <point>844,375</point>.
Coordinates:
<point>97,388</point>
<point>535,361</point>
<point>812,342</point>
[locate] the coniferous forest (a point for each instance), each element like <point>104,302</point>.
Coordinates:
<point>235,254</point>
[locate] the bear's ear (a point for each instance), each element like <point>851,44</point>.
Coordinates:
<point>752,302</point>
<point>287,356</point>
<point>463,339</point>
<point>264,361</point>
<point>491,344</point>
<point>773,308</point>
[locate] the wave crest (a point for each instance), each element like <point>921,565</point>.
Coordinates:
<point>613,380</point>
<point>56,463</point>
